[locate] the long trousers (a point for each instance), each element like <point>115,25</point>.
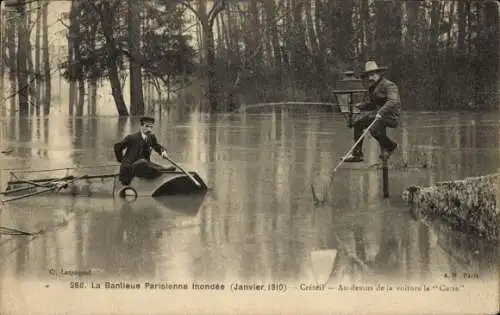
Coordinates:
<point>141,168</point>
<point>378,131</point>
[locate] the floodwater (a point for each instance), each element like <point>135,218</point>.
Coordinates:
<point>256,224</point>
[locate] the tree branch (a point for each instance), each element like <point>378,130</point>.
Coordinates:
<point>155,74</point>
<point>38,15</point>
<point>105,31</point>
<point>192,9</point>
<point>61,21</point>
<point>134,58</point>
<point>218,6</point>
<point>94,7</point>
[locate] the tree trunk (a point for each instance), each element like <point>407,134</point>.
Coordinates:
<point>30,78</point>
<point>202,15</point>
<point>488,48</point>
<point>470,26</point>
<point>287,44</point>
<point>297,39</point>
<point>73,34</point>
<point>382,32</point>
<point>2,60</point>
<point>311,33</point>
<point>451,21</point>
<point>134,34</point>
<point>78,68</point>
<point>81,97</point>
<point>114,78</point>
<point>22,57</point>
<point>256,37</point>
<point>462,18</point>
<point>89,104</point>
<point>37,58</point>
<point>365,29</point>
<point>11,47</point>
<point>46,61</point>
<point>221,48</point>
<point>211,71</point>
<point>396,41</point>
<point>93,97</point>
<point>267,44</point>
<point>227,40</point>
<point>207,24</point>
<point>435,25</point>
<point>92,89</point>
<point>271,15</point>
<point>412,8</point>
<point>313,44</point>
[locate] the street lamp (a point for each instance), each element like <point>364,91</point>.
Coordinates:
<point>349,91</point>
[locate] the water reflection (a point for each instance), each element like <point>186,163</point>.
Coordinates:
<point>257,221</point>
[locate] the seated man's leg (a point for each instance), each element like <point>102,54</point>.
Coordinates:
<point>126,174</point>
<point>147,169</point>
<point>359,126</point>
<point>379,132</point>
<point>161,168</point>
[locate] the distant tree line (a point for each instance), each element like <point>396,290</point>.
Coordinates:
<point>442,54</point>
<point>29,73</point>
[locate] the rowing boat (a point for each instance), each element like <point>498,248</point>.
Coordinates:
<point>169,182</point>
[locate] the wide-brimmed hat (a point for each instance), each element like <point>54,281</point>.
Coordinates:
<point>372,67</point>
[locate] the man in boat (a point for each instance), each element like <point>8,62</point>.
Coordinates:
<point>383,103</point>
<point>137,158</point>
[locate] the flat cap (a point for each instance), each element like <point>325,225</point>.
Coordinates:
<point>146,119</point>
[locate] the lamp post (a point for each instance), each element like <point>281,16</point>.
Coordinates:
<point>349,91</point>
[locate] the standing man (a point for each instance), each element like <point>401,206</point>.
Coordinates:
<point>137,158</point>
<point>384,104</point>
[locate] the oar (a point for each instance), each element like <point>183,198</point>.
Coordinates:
<point>189,175</point>
<point>340,163</point>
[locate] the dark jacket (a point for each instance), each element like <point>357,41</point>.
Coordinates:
<point>136,148</point>
<point>383,99</point>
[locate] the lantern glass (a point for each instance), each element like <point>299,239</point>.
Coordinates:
<point>349,91</point>
<point>343,99</point>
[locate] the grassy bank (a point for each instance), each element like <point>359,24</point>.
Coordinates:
<point>470,204</point>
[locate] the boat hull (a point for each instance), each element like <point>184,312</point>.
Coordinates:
<point>168,183</point>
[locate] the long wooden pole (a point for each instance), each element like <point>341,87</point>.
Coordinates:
<point>8,192</point>
<point>44,190</point>
<point>189,175</point>
<point>317,201</point>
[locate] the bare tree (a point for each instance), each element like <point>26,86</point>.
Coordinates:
<point>22,57</point>
<point>2,61</point>
<point>207,21</point>
<point>12,61</point>
<point>134,35</point>
<point>106,11</point>
<point>72,43</point>
<point>37,87</point>
<point>46,60</point>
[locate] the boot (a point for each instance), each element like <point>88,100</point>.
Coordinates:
<point>386,153</point>
<point>353,158</point>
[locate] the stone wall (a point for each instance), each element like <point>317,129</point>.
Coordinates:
<point>471,204</point>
